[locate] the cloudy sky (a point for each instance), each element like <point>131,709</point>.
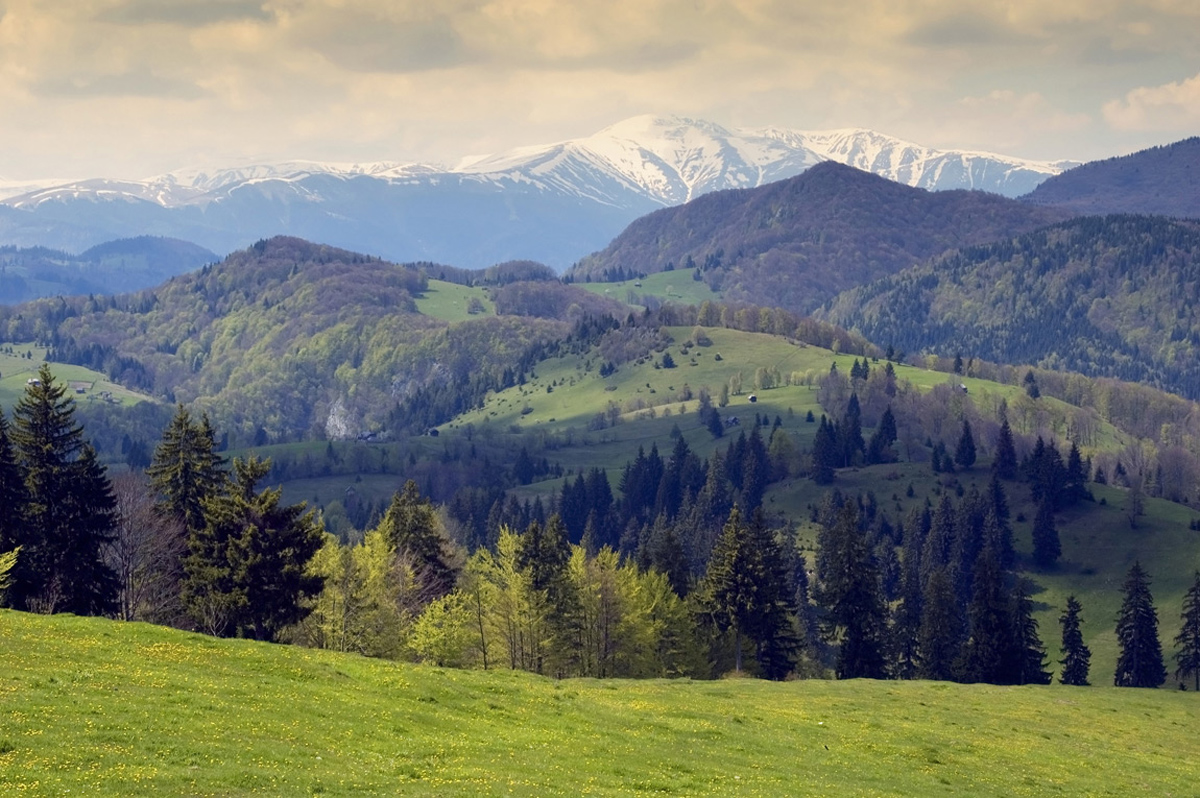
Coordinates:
<point>131,88</point>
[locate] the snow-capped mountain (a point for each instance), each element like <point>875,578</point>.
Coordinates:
<point>553,203</point>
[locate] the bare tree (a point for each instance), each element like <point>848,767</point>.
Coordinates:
<point>147,555</point>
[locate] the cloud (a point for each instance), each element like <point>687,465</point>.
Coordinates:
<point>187,13</point>
<point>964,29</point>
<point>139,83</point>
<point>1169,107</point>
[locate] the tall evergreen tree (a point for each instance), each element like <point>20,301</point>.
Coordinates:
<point>71,512</point>
<point>1140,662</point>
<point>851,594</point>
<point>1029,655</point>
<point>411,525</point>
<point>941,633</point>
<point>774,631</point>
<point>186,469</point>
<point>964,454</point>
<point>1187,642</point>
<point>1046,546</point>
<point>879,449</point>
<point>825,455</point>
<point>246,572</point>
<point>13,503</point>
<point>730,586</point>
<point>1005,462</point>
<point>990,637</point>
<point>1077,657</point>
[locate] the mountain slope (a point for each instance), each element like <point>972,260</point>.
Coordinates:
<point>800,241</point>
<point>1161,181</point>
<point>1108,296</point>
<point>551,203</point>
<point>109,268</point>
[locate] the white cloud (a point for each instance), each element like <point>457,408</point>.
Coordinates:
<point>1171,107</point>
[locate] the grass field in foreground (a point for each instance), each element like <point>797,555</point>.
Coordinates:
<point>102,708</point>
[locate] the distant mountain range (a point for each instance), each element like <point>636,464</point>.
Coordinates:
<point>552,203</point>
<point>1163,181</point>
<point>798,242</point>
<point>110,268</point>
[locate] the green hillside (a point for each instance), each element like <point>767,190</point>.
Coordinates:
<point>680,286</point>
<point>86,385</point>
<point>96,707</point>
<point>452,302</point>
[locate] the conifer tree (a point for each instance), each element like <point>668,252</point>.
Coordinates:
<point>1187,642</point>
<point>988,617</point>
<point>1005,463</point>
<point>411,525</point>
<point>71,512</point>
<point>13,502</point>
<point>730,586</point>
<point>246,572</point>
<point>941,633</point>
<point>964,454</point>
<point>1046,546</point>
<point>1140,662</point>
<point>1029,655</point>
<point>852,597</point>
<point>824,454</point>
<point>186,469</point>
<point>1077,657</point>
<point>879,449</point>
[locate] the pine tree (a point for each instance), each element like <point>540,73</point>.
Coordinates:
<point>964,454</point>
<point>774,631</point>
<point>1187,642</point>
<point>988,618</point>
<point>824,454</point>
<point>71,512</point>
<point>1046,546</point>
<point>186,469</point>
<point>730,586</point>
<point>1005,463</point>
<point>1077,657</point>
<point>411,525</point>
<point>879,449</point>
<point>1140,663</point>
<point>941,633</point>
<point>852,597</point>
<point>13,504</point>
<point>246,572</point>
<point>1029,655</point>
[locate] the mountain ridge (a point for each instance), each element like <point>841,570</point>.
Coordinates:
<point>552,203</point>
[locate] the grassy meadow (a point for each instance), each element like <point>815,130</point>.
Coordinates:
<point>97,707</point>
<point>449,301</point>
<point>676,286</point>
<point>15,369</point>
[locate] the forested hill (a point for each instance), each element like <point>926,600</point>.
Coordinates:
<point>798,242</point>
<point>1106,296</point>
<point>129,264</point>
<point>1162,181</point>
<point>279,340</point>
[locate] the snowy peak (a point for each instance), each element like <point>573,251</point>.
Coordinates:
<point>660,160</point>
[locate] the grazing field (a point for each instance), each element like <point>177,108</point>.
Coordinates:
<point>96,707</point>
<point>83,384</point>
<point>676,286</point>
<point>452,302</point>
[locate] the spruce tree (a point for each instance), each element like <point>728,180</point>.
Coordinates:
<point>1077,657</point>
<point>964,454</point>
<point>1005,462</point>
<point>411,525</point>
<point>71,512</point>
<point>246,572</point>
<point>825,454</point>
<point>1029,655</point>
<point>186,469</point>
<point>941,633</point>
<point>1140,662</point>
<point>13,502</point>
<point>1046,546</point>
<point>851,594</point>
<point>988,620</point>
<point>1187,642</point>
<point>730,586</point>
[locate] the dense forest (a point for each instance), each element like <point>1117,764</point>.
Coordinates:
<point>1108,296</point>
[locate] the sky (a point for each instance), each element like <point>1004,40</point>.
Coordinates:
<point>134,88</point>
